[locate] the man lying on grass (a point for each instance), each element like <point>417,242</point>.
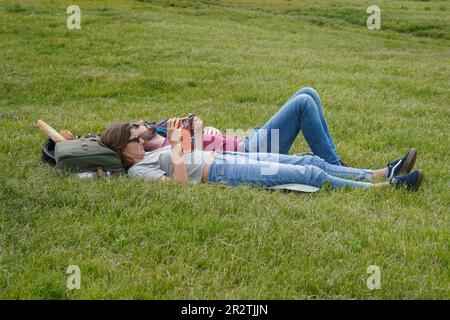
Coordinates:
<point>302,112</point>
<point>234,168</point>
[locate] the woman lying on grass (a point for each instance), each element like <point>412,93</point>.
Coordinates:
<point>302,112</point>
<point>234,168</point>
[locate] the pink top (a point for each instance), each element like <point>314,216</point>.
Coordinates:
<point>220,143</point>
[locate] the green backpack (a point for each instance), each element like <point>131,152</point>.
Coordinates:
<point>87,154</point>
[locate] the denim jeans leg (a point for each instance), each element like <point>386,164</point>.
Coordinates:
<point>333,170</point>
<point>227,169</point>
<point>341,183</point>
<point>288,131</point>
<point>299,113</point>
<point>313,94</point>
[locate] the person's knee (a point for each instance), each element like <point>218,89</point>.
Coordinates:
<point>304,103</point>
<point>316,175</point>
<point>314,160</point>
<point>309,91</point>
<point>318,162</point>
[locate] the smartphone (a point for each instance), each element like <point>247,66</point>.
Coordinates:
<point>187,133</point>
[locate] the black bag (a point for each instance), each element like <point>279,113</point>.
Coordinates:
<point>48,152</point>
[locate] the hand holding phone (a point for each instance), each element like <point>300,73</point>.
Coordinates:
<point>173,133</point>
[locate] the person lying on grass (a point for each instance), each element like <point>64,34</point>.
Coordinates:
<point>302,112</point>
<point>235,168</point>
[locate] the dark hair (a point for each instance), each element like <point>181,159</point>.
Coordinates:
<point>116,137</point>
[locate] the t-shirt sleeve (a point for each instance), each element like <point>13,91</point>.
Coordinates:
<point>149,172</point>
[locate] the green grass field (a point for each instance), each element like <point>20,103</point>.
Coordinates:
<point>233,63</point>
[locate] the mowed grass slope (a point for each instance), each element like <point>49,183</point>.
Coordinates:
<point>233,63</point>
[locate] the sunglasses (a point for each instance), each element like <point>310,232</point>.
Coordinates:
<point>135,139</point>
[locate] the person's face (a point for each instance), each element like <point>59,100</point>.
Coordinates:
<point>152,140</point>
<point>135,148</point>
<point>144,132</point>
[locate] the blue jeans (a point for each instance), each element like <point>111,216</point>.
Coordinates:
<point>303,111</point>
<point>269,169</point>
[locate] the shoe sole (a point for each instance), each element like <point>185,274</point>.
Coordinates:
<point>418,182</point>
<point>409,162</point>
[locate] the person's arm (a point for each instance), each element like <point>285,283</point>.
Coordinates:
<point>198,134</point>
<point>173,134</point>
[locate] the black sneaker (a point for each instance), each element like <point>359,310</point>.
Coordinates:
<point>411,181</point>
<point>402,166</point>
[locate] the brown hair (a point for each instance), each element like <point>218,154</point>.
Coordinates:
<point>116,137</point>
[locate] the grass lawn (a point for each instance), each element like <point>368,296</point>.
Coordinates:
<point>233,63</point>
